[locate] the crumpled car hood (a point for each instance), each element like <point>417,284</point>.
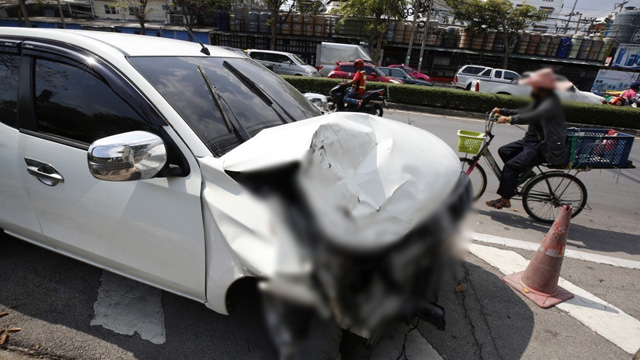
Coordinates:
<point>368,181</point>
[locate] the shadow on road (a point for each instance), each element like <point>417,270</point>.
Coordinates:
<point>590,238</point>
<point>61,291</point>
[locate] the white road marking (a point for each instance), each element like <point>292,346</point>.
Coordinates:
<point>605,319</point>
<point>127,306</point>
<point>416,348</point>
<point>569,253</point>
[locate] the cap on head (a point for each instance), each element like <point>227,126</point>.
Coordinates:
<point>541,79</point>
<point>635,86</point>
<point>358,63</point>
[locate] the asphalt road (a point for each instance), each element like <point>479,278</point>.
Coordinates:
<point>55,297</point>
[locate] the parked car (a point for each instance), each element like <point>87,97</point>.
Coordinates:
<point>346,70</point>
<point>566,91</point>
<point>196,173</point>
<point>283,63</point>
<point>399,73</point>
<point>465,76</point>
<point>412,72</point>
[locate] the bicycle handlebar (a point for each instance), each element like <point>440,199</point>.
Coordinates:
<point>491,120</point>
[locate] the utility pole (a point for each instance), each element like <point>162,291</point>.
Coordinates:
<point>566,27</point>
<point>61,14</point>
<point>416,6</point>
<point>425,34</point>
<point>578,24</point>
<point>23,9</point>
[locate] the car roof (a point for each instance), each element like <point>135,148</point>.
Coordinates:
<point>127,44</point>
<point>269,51</point>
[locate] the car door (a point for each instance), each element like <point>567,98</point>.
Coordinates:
<point>17,216</point>
<point>398,74</point>
<point>283,64</point>
<point>150,230</point>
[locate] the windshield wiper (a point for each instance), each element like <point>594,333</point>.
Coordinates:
<point>233,127</point>
<point>258,91</point>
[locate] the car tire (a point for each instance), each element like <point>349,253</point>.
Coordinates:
<point>468,88</point>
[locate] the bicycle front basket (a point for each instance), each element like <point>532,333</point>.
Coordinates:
<point>470,142</point>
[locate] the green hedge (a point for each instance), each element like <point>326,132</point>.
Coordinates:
<point>455,99</point>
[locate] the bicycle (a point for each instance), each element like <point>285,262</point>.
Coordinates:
<point>545,192</point>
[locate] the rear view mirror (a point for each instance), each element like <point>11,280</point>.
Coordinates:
<point>135,155</point>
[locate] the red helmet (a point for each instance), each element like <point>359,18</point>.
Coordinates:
<point>358,63</point>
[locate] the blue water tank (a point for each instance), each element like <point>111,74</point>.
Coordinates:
<point>564,47</point>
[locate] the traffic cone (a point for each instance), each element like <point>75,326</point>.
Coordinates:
<point>539,282</point>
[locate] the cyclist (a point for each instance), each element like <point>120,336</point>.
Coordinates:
<point>545,140</point>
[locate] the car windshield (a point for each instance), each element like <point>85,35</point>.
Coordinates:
<point>298,60</point>
<point>191,84</point>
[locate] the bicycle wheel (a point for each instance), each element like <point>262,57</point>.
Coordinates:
<point>544,196</point>
<point>478,177</point>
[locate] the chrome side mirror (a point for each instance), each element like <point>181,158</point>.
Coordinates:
<point>135,155</point>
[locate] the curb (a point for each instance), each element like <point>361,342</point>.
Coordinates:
<point>482,116</point>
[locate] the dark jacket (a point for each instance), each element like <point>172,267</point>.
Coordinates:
<point>545,118</point>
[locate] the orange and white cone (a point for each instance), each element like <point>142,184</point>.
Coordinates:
<point>539,282</point>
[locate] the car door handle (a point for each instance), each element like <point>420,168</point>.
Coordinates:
<point>44,172</point>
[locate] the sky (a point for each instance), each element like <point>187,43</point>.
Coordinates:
<point>595,8</point>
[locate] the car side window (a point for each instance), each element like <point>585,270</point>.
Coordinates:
<point>369,70</point>
<point>280,58</point>
<point>257,55</point>
<point>397,73</point>
<point>79,105</point>
<point>486,73</point>
<point>473,70</point>
<point>347,68</point>
<point>498,74</point>
<point>9,75</point>
<point>508,75</point>
<point>387,71</point>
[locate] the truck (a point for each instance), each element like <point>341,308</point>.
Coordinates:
<point>466,74</point>
<point>566,90</point>
<point>328,54</point>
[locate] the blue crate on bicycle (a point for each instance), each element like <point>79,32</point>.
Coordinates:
<point>598,148</point>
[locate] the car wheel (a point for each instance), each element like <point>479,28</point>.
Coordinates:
<point>468,87</point>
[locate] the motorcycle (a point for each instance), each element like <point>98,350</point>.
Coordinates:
<point>370,101</point>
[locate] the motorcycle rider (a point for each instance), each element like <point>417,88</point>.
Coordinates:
<point>629,96</point>
<point>545,140</point>
<point>358,85</point>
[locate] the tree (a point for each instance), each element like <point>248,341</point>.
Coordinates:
<point>379,14</point>
<point>500,15</point>
<point>193,9</point>
<point>140,11</point>
<point>274,7</point>
<point>306,7</point>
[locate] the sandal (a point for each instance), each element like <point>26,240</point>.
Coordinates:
<point>498,204</point>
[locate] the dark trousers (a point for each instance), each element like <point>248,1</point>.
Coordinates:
<point>517,157</point>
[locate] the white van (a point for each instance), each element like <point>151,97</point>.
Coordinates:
<point>283,63</point>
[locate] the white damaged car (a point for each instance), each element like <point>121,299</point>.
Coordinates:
<point>194,172</point>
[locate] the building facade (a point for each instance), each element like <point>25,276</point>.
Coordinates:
<point>551,10</point>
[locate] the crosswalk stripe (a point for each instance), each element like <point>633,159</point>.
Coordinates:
<point>570,253</point>
<point>605,319</point>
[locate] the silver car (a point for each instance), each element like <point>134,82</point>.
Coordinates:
<point>283,63</point>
